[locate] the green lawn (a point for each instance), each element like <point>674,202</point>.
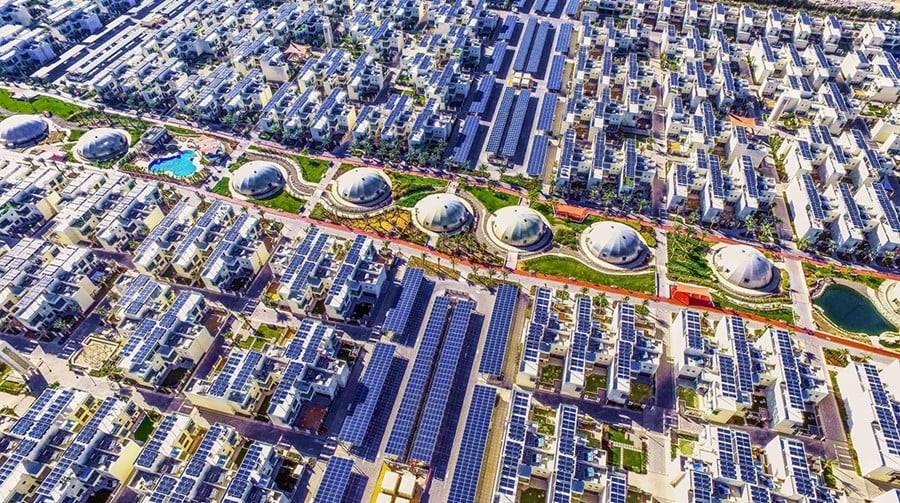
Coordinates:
<point>38,105</point>
<point>222,187</point>
<point>13,388</point>
<point>594,383</point>
<point>533,495</point>
<point>628,459</point>
<point>75,134</point>
<point>784,313</point>
<point>617,436</point>
<point>526,182</point>
<point>640,392</point>
<point>281,201</point>
<point>144,430</point>
<point>404,184</point>
<point>689,397</point>
<point>411,200</point>
<point>567,267</point>
<point>491,199</point>
<point>313,170</point>
<point>687,259</point>
<point>180,131</point>
<point>814,272</point>
<point>269,332</point>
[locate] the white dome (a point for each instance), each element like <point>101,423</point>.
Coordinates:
<point>18,130</point>
<point>614,242</point>
<point>102,143</point>
<point>442,212</point>
<point>257,179</point>
<point>519,226</point>
<point>363,186</point>
<point>744,266</point>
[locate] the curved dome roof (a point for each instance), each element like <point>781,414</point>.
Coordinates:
<point>257,179</point>
<point>744,266</point>
<point>363,186</point>
<point>22,129</point>
<point>518,226</point>
<point>102,143</point>
<point>442,212</point>
<point>614,242</point>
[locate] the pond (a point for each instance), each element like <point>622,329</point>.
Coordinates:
<point>851,311</point>
<point>181,165</point>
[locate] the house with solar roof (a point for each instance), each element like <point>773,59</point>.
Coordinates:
<point>172,338</point>
<point>235,385</point>
<point>29,195</point>
<point>869,393</point>
<point>138,296</point>
<point>68,444</point>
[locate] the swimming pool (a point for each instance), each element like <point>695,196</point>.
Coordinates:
<point>181,165</point>
<point>851,311</point>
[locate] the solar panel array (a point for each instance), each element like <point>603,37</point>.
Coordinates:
<point>467,135</point>
<point>885,410</point>
<point>618,486</point>
<point>514,443</point>
<point>554,80</point>
<point>703,487</point>
<point>887,207</point>
<point>540,316</point>
<point>548,112</point>
<point>397,317</point>
<point>537,48</point>
<point>741,347</point>
<point>799,466</point>
<point>497,132</point>
<point>815,203</point>
<point>625,343</point>
<point>334,481</point>
<point>789,368</point>
<point>564,38</point>
<point>151,450</point>
<point>693,332</point>
<point>254,461</point>
<point>442,384</point>
<point>494,352</point>
<point>419,377</point>
<point>716,180</point>
<point>467,472</point>
<point>852,208</point>
<point>524,45</point>
<point>514,130</point>
<point>564,469</point>
<point>368,394</point>
<point>303,262</point>
<point>750,176</point>
<point>538,156</point>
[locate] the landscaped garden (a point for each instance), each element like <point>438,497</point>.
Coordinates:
<point>394,223</point>
<point>465,245</point>
<point>405,184</point>
<point>688,397</point>
<point>688,259</point>
<point>492,200</point>
<point>566,267</point>
<point>38,105</point>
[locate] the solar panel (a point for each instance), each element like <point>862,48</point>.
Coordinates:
<point>618,486</point>
<point>716,181</point>
<point>467,472</point>
<point>703,487</point>
<point>548,111</point>
<point>514,130</point>
<point>524,45</point>
<point>554,80</point>
<point>693,332</point>
<point>485,88</point>
<point>852,208</point>
<point>750,176</point>
<point>497,59</point>
<point>500,121</point>
<point>494,352</point>
<point>746,463</point>
<point>799,466</point>
<point>725,443</point>
<point>887,207</point>
<point>368,394</point>
<point>789,369</point>
<point>537,48</point>
<point>418,379</point>
<point>727,374</point>
<point>885,411</point>
<point>397,317</point>
<point>564,38</point>
<point>514,443</point>
<point>564,472</point>
<point>334,481</point>
<point>538,156</point>
<point>439,392</point>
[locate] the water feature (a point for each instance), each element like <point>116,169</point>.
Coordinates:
<point>181,165</point>
<point>851,311</point>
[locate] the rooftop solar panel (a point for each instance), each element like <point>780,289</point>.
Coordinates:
<point>554,80</point>
<point>538,156</point>
<point>398,316</point>
<point>495,139</point>
<point>524,45</point>
<point>514,131</point>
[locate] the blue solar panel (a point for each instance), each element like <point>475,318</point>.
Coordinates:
<point>514,131</point>
<point>439,392</point>
<point>564,473</point>
<point>564,38</point>
<point>716,181</point>
<point>397,318</point>
<point>482,95</point>
<point>408,411</point>
<point>554,80</point>
<point>494,351</point>
<point>885,411</point>
<point>548,112</point>
<point>746,463</point>
<point>742,354</point>
<point>572,8</point>
<point>789,369</point>
<point>503,112</point>
<point>725,443</point>
<point>368,394</point>
<point>514,443</point>
<point>814,202</point>
<point>524,44</point>
<point>703,487</point>
<point>334,481</point>
<point>537,48</point>
<point>618,486</point>
<point>538,156</point>
<point>727,374</point>
<point>852,208</point>
<point>799,466</point>
<point>693,332</point>
<point>467,472</point>
<point>887,207</point>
